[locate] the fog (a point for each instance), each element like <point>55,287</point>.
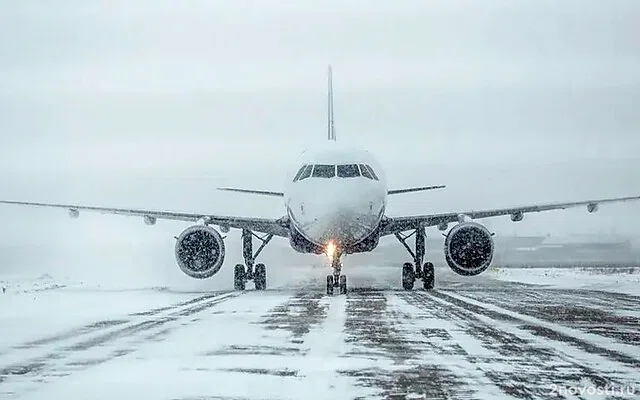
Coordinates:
<point>154,104</point>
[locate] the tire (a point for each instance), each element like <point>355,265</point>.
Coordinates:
<point>329,285</point>
<point>429,278</point>
<point>260,277</point>
<point>239,274</point>
<point>343,284</point>
<point>408,276</point>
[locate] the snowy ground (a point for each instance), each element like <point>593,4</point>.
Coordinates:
<point>617,280</point>
<point>489,337</point>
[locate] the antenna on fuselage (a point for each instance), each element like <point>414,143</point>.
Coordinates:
<point>331,132</point>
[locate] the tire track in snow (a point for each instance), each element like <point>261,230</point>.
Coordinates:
<point>324,354</point>
<point>61,359</point>
<point>441,342</point>
<point>522,364</point>
<point>588,342</point>
<point>613,316</point>
<point>293,341</point>
<point>298,315</point>
<point>103,324</point>
<point>395,366</point>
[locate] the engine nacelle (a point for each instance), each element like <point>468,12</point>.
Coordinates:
<point>74,213</point>
<point>592,207</point>
<point>149,220</point>
<point>469,248</point>
<point>200,251</point>
<point>517,216</point>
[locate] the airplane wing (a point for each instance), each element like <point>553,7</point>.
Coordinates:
<point>276,227</point>
<point>391,225</point>
<point>414,189</point>
<point>252,191</point>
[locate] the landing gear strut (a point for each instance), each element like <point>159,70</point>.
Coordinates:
<point>258,274</point>
<point>409,273</point>
<point>336,280</point>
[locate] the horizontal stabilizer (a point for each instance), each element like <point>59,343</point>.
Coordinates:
<point>260,192</point>
<point>414,189</point>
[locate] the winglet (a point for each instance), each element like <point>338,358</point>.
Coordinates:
<point>331,132</point>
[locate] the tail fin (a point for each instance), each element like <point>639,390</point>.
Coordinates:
<point>331,132</point>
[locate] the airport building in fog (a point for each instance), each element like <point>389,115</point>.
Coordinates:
<point>566,249</point>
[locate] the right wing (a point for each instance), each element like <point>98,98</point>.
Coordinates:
<point>391,225</point>
<point>261,192</point>
<point>276,227</point>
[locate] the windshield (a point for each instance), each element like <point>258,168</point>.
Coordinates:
<point>348,171</point>
<point>324,171</point>
<point>306,172</point>
<point>365,171</point>
<point>371,172</point>
<point>299,173</point>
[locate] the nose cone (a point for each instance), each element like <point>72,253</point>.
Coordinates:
<point>346,220</point>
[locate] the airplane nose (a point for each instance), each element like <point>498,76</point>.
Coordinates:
<point>345,215</point>
<point>348,221</point>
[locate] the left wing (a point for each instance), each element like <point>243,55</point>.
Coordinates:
<point>276,227</point>
<point>392,225</point>
<point>414,189</point>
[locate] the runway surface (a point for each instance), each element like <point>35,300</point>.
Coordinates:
<point>470,338</point>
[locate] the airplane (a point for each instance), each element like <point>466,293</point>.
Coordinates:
<point>334,205</point>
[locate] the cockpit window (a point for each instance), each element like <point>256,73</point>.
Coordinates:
<point>324,171</point>
<point>365,171</point>
<point>299,173</point>
<point>306,172</point>
<point>371,171</point>
<point>348,171</point>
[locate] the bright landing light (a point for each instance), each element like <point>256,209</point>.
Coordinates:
<point>331,249</point>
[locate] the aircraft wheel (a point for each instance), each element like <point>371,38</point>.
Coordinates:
<point>408,276</point>
<point>260,277</point>
<point>429,278</point>
<point>239,275</point>
<point>329,285</point>
<point>343,284</point>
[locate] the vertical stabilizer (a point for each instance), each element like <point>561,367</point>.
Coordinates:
<point>331,132</point>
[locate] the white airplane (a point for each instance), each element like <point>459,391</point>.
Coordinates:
<point>335,205</point>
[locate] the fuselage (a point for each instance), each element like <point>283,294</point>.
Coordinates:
<point>338,195</point>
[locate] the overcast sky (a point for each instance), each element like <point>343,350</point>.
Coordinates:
<point>154,103</point>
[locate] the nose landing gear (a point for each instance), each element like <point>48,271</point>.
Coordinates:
<point>336,280</point>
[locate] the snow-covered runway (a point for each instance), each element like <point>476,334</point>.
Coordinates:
<point>476,339</point>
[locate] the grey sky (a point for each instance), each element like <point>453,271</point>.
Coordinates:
<point>154,103</point>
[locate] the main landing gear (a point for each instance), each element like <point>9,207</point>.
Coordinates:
<point>242,274</point>
<point>409,273</point>
<point>336,280</point>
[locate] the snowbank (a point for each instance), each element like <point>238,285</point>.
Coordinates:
<point>619,280</point>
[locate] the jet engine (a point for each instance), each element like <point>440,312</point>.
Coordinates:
<point>200,251</point>
<point>468,248</point>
